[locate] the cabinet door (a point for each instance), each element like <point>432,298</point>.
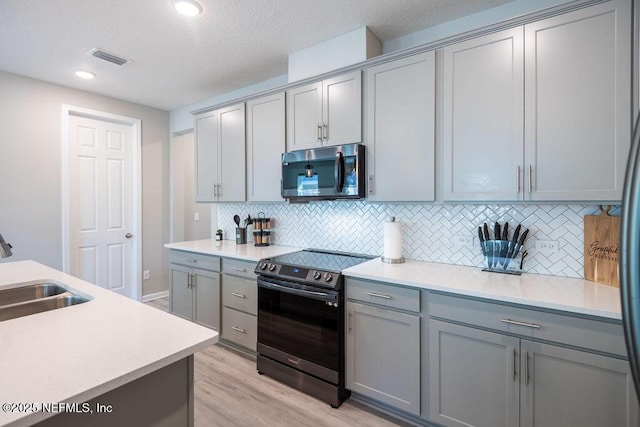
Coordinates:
<point>473,376</point>
<point>181,301</point>
<point>342,109</point>
<point>563,387</point>
<point>383,355</point>
<point>577,116</point>
<point>231,137</point>
<point>206,153</point>
<point>401,129</point>
<point>483,110</point>
<point>304,117</point>
<point>206,285</point>
<point>265,145</point>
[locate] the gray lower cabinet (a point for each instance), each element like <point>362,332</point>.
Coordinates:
<point>507,378</point>
<point>567,387</point>
<point>383,349</point>
<point>239,303</point>
<point>472,376</point>
<point>195,291</point>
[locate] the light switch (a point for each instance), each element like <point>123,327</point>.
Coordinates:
<point>196,216</point>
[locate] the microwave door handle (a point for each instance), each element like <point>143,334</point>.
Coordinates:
<point>339,172</point>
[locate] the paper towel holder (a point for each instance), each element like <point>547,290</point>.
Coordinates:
<point>392,260</point>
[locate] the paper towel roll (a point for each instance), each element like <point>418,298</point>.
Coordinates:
<point>392,241</point>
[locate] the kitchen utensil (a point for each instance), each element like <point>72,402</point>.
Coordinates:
<point>523,237</point>
<point>601,248</point>
<point>505,231</point>
<point>236,219</point>
<point>482,244</point>
<point>488,245</point>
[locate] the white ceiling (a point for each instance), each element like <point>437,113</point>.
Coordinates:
<point>177,60</point>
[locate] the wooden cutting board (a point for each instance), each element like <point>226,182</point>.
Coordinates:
<point>601,248</point>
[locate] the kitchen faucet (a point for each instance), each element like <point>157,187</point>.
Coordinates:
<point>5,248</point>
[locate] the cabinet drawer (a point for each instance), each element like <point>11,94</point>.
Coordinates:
<point>240,293</point>
<point>382,294</point>
<point>239,267</point>
<point>239,328</point>
<point>206,262</point>
<point>596,335</point>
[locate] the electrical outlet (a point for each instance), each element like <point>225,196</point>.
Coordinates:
<point>145,275</point>
<point>464,240</point>
<point>196,216</point>
<point>547,247</point>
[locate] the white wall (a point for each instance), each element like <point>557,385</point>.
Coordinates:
<point>30,172</point>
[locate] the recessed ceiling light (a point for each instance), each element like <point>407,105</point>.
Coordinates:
<point>85,74</point>
<point>187,7</point>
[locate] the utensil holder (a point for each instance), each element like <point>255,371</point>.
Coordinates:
<point>502,256</point>
<point>241,236</point>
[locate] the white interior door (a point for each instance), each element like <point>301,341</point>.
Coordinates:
<point>100,199</point>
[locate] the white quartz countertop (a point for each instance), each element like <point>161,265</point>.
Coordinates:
<point>558,293</point>
<point>229,249</point>
<point>76,353</point>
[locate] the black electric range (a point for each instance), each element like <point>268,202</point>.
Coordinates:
<point>301,321</point>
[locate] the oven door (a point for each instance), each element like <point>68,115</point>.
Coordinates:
<point>299,321</point>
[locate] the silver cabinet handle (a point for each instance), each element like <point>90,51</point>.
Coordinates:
<point>370,184</point>
<point>515,363</point>
<point>373,294</point>
<point>349,317</point>
<point>319,133</point>
<point>192,260</point>
<point>517,178</point>
<point>516,322</point>
<point>295,362</point>
<point>188,280</point>
<point>530,178</point>
<point>242,331</point>
<point>128,235</point>
<point>325,131</point>
<point>239,269</point>
<point>194,280</point>
<point>235,294</point>
<point>526,368</point>
<point>219,190</point>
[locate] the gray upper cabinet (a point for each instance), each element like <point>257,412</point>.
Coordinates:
<point>577,112</point>
<point>220,155</point>
<point>569,78</point>
<point>400,111</point>
<point>328,112</point>
<point>483,111</point>
<point>265,145</point>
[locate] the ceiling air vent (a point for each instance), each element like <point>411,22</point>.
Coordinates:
<point>107,56</point>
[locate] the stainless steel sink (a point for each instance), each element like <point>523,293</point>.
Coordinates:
<point>30,292</point>
<point>34,298</point>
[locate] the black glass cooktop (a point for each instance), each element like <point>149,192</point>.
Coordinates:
<point>321,260</point>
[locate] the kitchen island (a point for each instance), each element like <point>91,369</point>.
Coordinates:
<point>107,361</point>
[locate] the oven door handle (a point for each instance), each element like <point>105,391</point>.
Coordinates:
<point>321,296</point>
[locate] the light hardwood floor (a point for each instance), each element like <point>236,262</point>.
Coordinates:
<point>230,392</point>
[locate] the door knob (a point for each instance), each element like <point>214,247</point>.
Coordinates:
<point>128,235</point>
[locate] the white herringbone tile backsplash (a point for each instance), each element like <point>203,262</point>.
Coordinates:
<point>428,229</point>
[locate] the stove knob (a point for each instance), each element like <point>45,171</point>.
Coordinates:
<point>317,275</point>
<point>272,267</point>
<point>328,277</point>
<point>263,265</point>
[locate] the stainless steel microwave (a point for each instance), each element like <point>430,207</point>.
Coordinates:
<point>325,173</point>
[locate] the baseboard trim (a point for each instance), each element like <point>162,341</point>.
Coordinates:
<point>157,295</point>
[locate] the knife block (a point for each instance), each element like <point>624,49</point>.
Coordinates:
<point>502,256</point>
